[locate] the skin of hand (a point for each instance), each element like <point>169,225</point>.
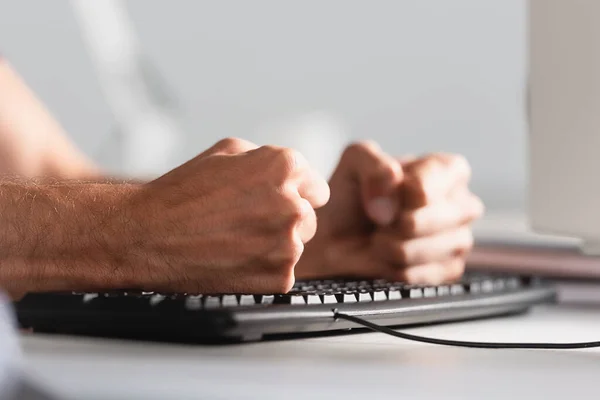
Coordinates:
<point>234,219</point>
<point>355,235</point>
<point>406,220</point>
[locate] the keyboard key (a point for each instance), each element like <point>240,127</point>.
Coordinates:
<point>487,286</point>
<point>443,290</point>
<point>474,287</point>
<point>212,302</point>
<point>457,289</point>
<point>499,285</point>
<point>230,301</point>
<point>379,296</point>
<point>513,283</point>
<point>247,300</point>
<point>364,297</point>
<point>429,292</point>
<point>193,303</point>
<point>349,298</point>
<point>89,297</point>
<point>313,299</point>
<point>394,295</point>
<point>267,299</point>
<point>297,300</point>
<point>156,299</point>
<point>329,299</point>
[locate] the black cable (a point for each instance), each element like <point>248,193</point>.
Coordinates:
<point>460,343</point>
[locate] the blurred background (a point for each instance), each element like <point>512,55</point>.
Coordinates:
<point>414,75</point>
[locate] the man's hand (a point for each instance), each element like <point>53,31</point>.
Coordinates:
<point>233,219</point>
<point>406,220</point>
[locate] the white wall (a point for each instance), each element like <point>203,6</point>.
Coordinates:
<point>416,75</point>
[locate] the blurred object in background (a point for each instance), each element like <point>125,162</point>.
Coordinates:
<point>415,76</point>
<point>147,128</point>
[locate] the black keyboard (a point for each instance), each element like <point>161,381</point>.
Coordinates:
<point>307,308</point>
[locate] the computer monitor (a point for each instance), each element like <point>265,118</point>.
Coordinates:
<point>564,119</point>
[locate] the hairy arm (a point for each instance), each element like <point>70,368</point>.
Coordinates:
<point>65,235</point>
<point>32,142</point>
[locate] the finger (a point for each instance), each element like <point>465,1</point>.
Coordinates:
<point>314,188</point>
<point>379,177</point>
<point>423,250</point>
<point>311,185</point>
<point>351,257</point>
<point>307,226</point>
<point>433,177</point>
<point>291,169</point>
<point>433,273</point>
<point>406,160</point>
<point>439,217</point>
<point>229,146</point>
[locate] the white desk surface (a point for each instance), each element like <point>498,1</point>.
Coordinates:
<point>361,366</point>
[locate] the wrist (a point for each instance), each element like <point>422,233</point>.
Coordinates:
<point>120,237</point>
<point>80,238</point>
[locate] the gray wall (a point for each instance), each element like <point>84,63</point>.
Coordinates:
<point>416,75</point>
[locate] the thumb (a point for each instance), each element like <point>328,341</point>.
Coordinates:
<point>380,192</point>
<point>379,177</point>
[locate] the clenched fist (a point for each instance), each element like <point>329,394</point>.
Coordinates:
<point>406,220</point>
<point>233,219</point>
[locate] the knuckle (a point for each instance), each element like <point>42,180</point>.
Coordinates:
<point>454,162</point>
<point>290,205</point>
<point>461,164</point>
<point>296,211</point>
<point>435,162</point>
<point>389,169</point>
<point>363,146</point>
<point>285,158</point>
<point>230,143</point>
<point>288,158</point>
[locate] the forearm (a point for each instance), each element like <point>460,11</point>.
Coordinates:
<point>65,235</point>
<point>32,142</point>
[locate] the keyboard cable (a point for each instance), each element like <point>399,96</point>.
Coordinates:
<point>459,343</point>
